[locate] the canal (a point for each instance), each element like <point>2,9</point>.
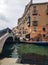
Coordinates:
<point>14,50</point>
<point>10,50</point>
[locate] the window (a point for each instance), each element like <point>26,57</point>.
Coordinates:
<point>28,24</point>
<point>28,36</point>
<point>28,21</point>
<point>44,29</point>
<point>20,29</point>
<point>35,29</point>
<point>34,23</point>
<point>26,18</point>
<point>34,10</point>
<point>34,7</point>
<point>19,32</point>
<point>47,10</point>
<point>47,24</point>
<point>24,32</point>
<point>44,35</point>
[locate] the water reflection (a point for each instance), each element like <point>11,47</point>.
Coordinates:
<point>14,53</point>
<point>10,50</point>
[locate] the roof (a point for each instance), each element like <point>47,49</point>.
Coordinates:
<point>40,3</point>
<point>30,4</point>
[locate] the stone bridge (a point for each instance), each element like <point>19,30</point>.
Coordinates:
<point>4,38</point>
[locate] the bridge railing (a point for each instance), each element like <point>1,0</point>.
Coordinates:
<point>3,36</point>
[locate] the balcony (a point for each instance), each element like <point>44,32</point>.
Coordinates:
<point>35,23</point>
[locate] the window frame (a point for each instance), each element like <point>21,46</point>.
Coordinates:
<point>35,29</point>
<point>35,23</point>
<point>44,36</point>
<point>28,21</point>
<point>44,29</point>
<point>34,11</point>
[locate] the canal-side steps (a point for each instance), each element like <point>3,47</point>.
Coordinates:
<point>10,61</point>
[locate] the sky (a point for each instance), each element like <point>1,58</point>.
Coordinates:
<point>11,10</point>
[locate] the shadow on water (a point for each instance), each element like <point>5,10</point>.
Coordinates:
<point>7,48</point>
<point>32,58</point>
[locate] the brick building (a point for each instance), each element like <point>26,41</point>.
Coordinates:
<point>34,22</point>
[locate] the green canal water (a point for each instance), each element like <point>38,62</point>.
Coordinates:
<point>11,50</point>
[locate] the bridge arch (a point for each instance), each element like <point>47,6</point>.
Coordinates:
<point>9,40</point>
<point>4,39</point>
<point>6,45</point>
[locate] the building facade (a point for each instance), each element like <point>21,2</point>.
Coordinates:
<point>34,22</point>
<point>15,31</point>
